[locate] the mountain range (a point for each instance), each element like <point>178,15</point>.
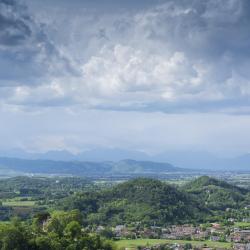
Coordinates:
<point>182,159</point>
<point>14,166</point>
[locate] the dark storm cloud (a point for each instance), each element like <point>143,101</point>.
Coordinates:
<point>26,53</point>
<point>103,5</point>
<point>14,24</point>
<point>208,27</point>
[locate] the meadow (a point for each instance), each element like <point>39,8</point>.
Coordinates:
<point>122,244</point>
<point>18,203</point>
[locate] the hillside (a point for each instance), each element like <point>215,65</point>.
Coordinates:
<point>216,194</point>
<point>127,167</point>
<point>146,200</point>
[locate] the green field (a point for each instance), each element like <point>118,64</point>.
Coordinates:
<point>242,224</point>
<point>121,244</point>
<point>18,203</point>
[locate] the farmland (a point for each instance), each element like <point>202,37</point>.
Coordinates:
<point>121,244</point>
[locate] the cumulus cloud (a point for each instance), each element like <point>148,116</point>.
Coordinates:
<point>177,56</point>
<point>137,77</point>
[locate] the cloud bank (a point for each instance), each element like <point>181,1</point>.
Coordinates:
<point>176,56</point>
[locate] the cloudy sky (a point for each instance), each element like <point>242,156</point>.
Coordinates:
<point>149,75</point>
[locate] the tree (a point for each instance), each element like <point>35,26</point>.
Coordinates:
<point>188,246</point>
<point>14,239</point>
<point>73,230</point>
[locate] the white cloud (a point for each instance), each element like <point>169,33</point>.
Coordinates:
<point>125,69</point>
<point>173,57</point>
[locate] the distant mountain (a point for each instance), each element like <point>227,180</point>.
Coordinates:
<point>204,160</point>
<point>126,167</point>
<point>114,154</point>
<point>190,159</point>
<point>182,159</point>
<point>147,167</point>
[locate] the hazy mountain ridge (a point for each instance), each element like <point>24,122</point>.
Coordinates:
<point>85,168</point>
<point>181,159</point>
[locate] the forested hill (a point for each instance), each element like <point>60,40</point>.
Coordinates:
<point>146,200</point>
<point>21,166</point>
<point>152,201</point>
<point>206,181</point>
<point>217,194</point>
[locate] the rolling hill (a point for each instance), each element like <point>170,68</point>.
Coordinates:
<point>216,194</point>
<point>151,201</point>
<point>143,200</point>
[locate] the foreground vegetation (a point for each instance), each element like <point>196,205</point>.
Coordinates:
<point>57,231</point>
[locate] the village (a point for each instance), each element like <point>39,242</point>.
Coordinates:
<point>238,237</point>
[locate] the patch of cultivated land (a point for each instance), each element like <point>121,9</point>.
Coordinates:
<point>18,203</point>
<point>242,224</point>
<point>121,244</point>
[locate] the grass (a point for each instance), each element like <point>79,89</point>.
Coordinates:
<point>4,222</point>
<point>121,244</point>
<point>242,224</point>
<point>18,203</point>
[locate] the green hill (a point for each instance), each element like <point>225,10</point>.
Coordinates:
<point>141,200</point>
<point>216,194</point>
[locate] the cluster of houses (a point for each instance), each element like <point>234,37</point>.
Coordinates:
<point>240,235</point>
<point>183,232</point>
<point>173,246</point>
<point>214,233</point>
<point>239,238</point>
<point>176,246</point>
<point>241,246</point>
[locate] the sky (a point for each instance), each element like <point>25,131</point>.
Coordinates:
<point>146,75</point>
